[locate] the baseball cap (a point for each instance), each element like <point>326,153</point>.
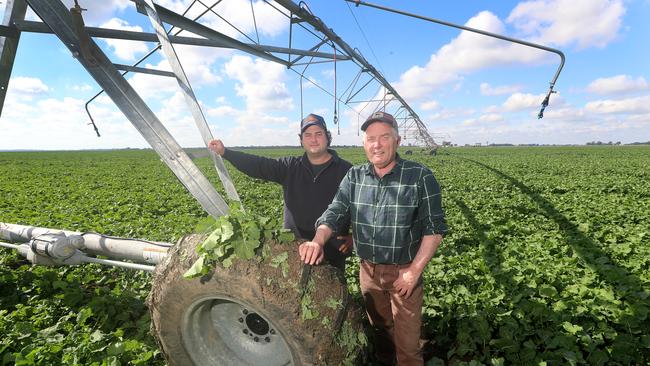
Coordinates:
<point>380,116</point>
<point>312,120</point>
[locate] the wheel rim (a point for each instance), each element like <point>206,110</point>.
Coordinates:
<point>223,331</point>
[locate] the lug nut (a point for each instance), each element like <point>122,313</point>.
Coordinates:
<point>245,331</point>
<point>241,320</point>
<point>272,331</point>
<point>267,339</point>
<point>245,311</point>
<point>256,339</point>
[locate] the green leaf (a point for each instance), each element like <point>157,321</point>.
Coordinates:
<point>196,270</point>
<point>497,361</point>
<point>286,236</point>
<point>213,240</point>
<point>245,249</point>
<point>84,314</point>
<point>279,259</point>
<point>253,233</point>
<point>227,231</point>
<point>573,329</point>
<point>332,303</point>
<point>115,349</point>
<point>547,291</point>
<point>96,336</point>
<point>205,225</point>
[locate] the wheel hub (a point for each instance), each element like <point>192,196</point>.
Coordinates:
<point>223,331</point>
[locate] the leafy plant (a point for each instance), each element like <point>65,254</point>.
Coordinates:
<point>236,235</point>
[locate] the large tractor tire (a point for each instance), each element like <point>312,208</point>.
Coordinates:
<point>270,310</point>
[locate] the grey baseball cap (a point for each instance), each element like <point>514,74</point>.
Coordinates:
<point>380,116</point>
<point>312,120</point>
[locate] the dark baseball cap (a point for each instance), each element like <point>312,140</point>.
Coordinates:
<point>380,116</point>
<point>312,120</point>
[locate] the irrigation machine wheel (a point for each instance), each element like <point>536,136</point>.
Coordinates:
<point>252,313</point>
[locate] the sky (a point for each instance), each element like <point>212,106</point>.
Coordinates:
<point>466,88</point>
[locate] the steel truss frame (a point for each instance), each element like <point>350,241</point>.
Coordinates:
<point>68,26</point>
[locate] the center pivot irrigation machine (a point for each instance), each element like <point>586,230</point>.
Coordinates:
<point>230,316</point>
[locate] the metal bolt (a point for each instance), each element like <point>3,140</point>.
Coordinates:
<point>241,320</point>
<point>272,331</point>
<point>245,331</point>
<point>267,339</point>
<point>256,339</point>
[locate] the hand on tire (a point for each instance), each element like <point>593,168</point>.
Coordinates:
<point>311,253</point>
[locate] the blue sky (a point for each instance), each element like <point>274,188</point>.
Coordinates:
<point>466,88</point>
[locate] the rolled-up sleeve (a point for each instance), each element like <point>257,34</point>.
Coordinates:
<point>430,210</point>
<point>338,212</point>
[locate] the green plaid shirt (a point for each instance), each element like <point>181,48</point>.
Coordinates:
<point>389,215</point>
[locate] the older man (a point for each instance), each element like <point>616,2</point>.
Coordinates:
<point>309,182</point>
<point>397,225</point>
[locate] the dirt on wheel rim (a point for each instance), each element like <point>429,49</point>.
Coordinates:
<point>270,309</point>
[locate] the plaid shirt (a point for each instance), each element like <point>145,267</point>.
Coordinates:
<point>389,215</point>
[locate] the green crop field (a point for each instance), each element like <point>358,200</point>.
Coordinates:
<point>547,260</point>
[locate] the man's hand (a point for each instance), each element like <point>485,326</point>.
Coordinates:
<point>311,252</point>
<point>406,281</point>
<point>217,147</point>
<point>346,246</point>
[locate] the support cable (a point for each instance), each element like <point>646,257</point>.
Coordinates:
<point>365,38</point>
<point>255,22</point>
<point>336,115</point>
<point>489,34</point>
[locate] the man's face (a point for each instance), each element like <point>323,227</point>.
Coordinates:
<point>314,140</point>
<point>380,143</point>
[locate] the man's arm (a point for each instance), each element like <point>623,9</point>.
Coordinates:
<point>409,276</point>
<point>252,165</point>
<point>311,252</point>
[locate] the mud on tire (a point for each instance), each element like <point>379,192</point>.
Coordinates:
<point>257,312</point>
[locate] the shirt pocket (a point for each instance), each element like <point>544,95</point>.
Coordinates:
<point>400,206</point>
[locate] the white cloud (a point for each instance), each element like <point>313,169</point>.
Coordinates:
<point>63,124</point>
<point>223,111</point>
<point>466,53</point>
<point>27,86</point>
<point>430,105</point>
<point>487,89</point>
<point>618,84</point>
<point>125,50</point>
<point>198,66</point>
<point>586,23</point>
<point>82,87</point>
<point>491,117</point>
<point>631,105</point>
<point>260,82</point>
<point>522,101</point>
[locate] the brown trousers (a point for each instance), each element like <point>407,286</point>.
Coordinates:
<point>396,320</point>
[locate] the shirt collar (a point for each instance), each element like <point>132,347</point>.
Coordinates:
<point>370,169</point>
<point>335,157</point>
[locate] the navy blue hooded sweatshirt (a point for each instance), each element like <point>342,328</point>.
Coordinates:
<point>306,196</point>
